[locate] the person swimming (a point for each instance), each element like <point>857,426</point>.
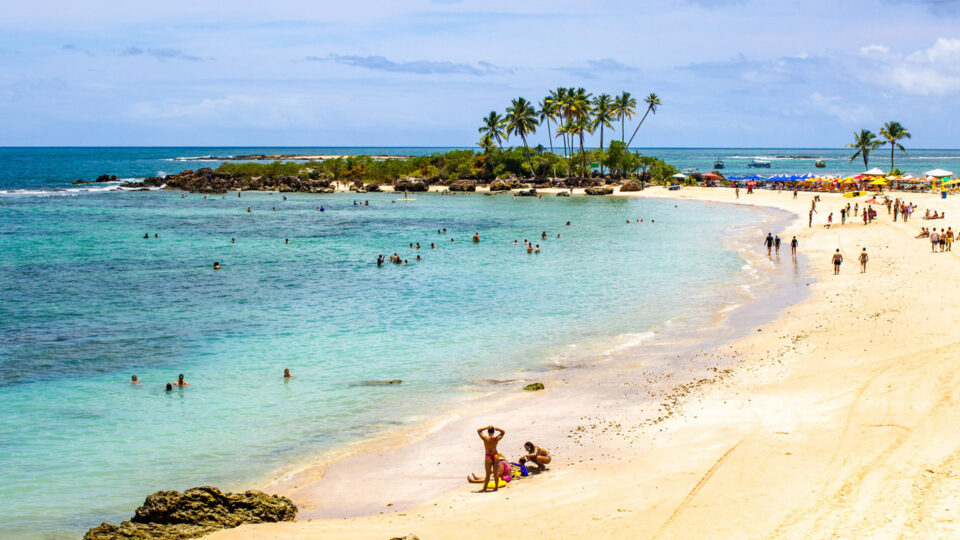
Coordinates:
<point>180,381</point>
<point>248,209</point>
<point>216,265</point>
<point>406,262</point>
<point>286,374</point>
<point>514,242</point>
<point>379,260</point>
<point>491,456</point>
<point>146,235</point>
<point>418,245</point>
<point>476,238</point>
<point>537,250</point>
<point>433,246</point>
<point>321,208</point>
<point>568,224</point>
<point>233,240</point>
<point>529,248</point>
<point>543,236</point>
<point>134,380</point>
<point>286,240</point>
<point>169,387</point>
<point>418,257</point>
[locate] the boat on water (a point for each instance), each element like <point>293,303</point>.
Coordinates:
<point>759,164</point>
<point>691,170</point>
<point>719,164</point>
<point>820,163</point>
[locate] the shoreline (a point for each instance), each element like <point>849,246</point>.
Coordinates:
<point>334,471</point>
<point>823,428</point>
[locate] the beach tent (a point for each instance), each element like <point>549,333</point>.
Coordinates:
<point>938,173</point>
<point>874,172</point>
<point>681,176</point>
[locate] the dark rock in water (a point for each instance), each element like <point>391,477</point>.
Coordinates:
<point>532,387</point>
<point>631,185</point>
<point>410,184</point>
<point>381,383</point>
<point>106,178</point>
<point>80,181</point>
<point>196,512</point>
<point>463,185</point>
<point>527,193</point>
<point>563,194</point>
<point>604,190</point>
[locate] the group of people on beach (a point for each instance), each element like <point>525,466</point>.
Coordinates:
<point>498,468</point>
<point>942,240</point>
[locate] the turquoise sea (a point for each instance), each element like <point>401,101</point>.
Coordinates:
<point>86,301</point>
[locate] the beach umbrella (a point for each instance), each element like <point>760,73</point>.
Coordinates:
<point>712,176</point>
<point>875,172</point>
<point>938,173</point>
<point>679,175</point>
<point>879,182</point>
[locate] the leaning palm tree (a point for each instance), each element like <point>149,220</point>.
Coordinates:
<point>652,101</point>
<point>864,142</point>
<point>893,132</point>
<point>602,116</point>
<point>493,125</point>
<point>624,107</point>
<point>548,112</point>
<point>521,120</point>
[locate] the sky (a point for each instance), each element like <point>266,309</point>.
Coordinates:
<point>730,73</point>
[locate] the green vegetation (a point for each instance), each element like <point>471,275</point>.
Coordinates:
<point>866,141</point>
<point>446,167</point>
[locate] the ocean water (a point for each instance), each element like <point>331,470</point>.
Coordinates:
<point>86,301</point>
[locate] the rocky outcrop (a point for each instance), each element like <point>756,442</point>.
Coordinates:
<point>206,180</point>
<point>100,179</point>
<point>630,185</point>
<point>533,387</point>
<point>410,184</point>
<point>196,512</point>
<point>527,193</point>
<point>499,185</point>
<point>563,194</point>
<point>602,190</point>
<point>463,185</point>
<point>373,187</point>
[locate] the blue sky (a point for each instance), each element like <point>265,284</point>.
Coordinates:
<point>424,72</point>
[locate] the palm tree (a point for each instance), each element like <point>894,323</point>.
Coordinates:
<point>559,98</point>
<point>652,101</point>
<point>893,132</point>
<point>548,112</point>
<point>579,110</point>
<point>602,115</point>
<point>521,119</point>
<point>864,142</point>
<point>486,142</point>
<point>493,126</point>
<point>624,106</point>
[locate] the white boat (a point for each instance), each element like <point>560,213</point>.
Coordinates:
<point>759,164</point>
<point>691,170</point>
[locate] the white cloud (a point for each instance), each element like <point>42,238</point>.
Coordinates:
<point>833,106</point>
<point>874,50</point>
<point>931,71</point>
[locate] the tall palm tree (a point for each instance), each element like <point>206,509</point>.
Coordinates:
<point>521,119</point>
<point>864,142</point>
<point>579,109</point>
<point>602,115</point>
<point>624,106</point>
<point>559,98</point>
<point>893,132</point>
<point>548,112</point>
<point>563,130</point>
<point>493,125</point>
<point>652,101</point>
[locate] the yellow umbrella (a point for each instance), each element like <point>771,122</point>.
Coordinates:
<point>952,182</point>
<point>848,180</point>
<point>878,182</point>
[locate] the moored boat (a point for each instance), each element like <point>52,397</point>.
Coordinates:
<point>759,164</point>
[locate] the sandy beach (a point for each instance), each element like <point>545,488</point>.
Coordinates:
<point>832,421</point>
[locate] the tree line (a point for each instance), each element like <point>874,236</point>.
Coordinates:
<point>574,112</point>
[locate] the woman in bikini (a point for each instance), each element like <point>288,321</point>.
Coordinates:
<point>490,436</point>
<point>536,455</point>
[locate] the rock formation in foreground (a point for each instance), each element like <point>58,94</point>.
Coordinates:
<point>171,515</point>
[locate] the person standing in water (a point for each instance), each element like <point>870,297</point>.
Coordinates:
<point>490,459</point>
<point>837,261</point>
<point>286,374</point>
<point>134,380</point>
<point>476,238</point>
<point>776,244</point>
<point>793,246</point>
<point>180,381</point>
<point>863,261</point>
<point>768,241</point>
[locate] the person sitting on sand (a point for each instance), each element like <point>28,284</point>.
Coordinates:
<point>286,374</point>
<point>491,458</point>
<point>180,381</point>
<point>504,473</point>
<point>923,233</point>
<point>536,455</point>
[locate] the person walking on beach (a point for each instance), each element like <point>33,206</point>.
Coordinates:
<point>737,190</point>
<point>490,459</point>
<point>768,241</point>
<point>837,261</point>
<point>810,221</point>
<point>776,244</point>
<point>934,240</point>
<point>863,261</point>
<point>793,246</point>
<point>830,220</point>
<point>896,211</point>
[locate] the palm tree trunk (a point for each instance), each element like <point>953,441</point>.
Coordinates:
<point>638,126</point>
<point>864,159</point>
<point>601,149</point>
<point>891,155</point>
<point>623,135</point>
<point>550,135</point>
<point>526,150</point>
<point>583,158</point>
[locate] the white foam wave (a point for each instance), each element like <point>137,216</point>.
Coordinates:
<point>625,341</point>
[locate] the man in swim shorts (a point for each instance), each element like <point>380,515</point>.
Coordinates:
<point>768,241</point>
<point>490,436</point>
<point>837,261</point>
<point>863,261</point>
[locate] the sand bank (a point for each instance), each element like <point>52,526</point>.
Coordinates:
<point>834,420</point>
